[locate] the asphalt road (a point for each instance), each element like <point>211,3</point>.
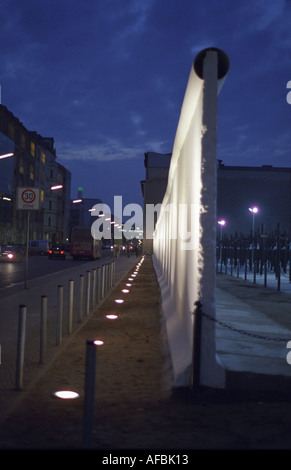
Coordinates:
<point>13,274</point>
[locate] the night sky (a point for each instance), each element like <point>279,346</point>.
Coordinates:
<point>106,79</point>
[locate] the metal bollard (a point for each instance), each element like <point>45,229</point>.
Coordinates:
<point>106,279</point>
<point>102,281</point>
<point>94,289</point>
<point>71,303</point>
<point>89,398</point>
<point>81,299</point>
<point>98,296</point>
<point>59,322</point>
<point>20,347</point>
<point>43,329</point>
<point>88,293</point>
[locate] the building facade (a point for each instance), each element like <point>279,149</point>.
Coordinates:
<point>268,188</point>
<point>238,189</point>
<point>28,160</point>
<point>153,188</point>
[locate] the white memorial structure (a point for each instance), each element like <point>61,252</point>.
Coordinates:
<point>184,240</point>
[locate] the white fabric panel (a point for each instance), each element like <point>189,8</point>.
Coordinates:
<point>184,238</point>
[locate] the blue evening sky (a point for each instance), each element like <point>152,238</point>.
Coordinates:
<point>106,79</point>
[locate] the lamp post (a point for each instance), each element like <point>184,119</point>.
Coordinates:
<point>253,210</point>
<point>221,223</point>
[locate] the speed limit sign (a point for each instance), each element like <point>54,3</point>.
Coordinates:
<point>28,198</point>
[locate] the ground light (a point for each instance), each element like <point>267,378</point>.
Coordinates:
<point>98,342</point>
<point>130,279</point>
<point>66,394</point>
<point>128,284</point>
<point>112,316</point>
<point>125,291</point>
<point>119,301</point>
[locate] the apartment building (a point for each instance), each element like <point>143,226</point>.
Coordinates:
<point>28,160</point>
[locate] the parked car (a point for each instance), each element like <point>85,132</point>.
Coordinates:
<point>57,251</point>
<point>10,254</point>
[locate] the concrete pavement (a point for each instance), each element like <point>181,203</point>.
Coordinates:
<point>253,329</point>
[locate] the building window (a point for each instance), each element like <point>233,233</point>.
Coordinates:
<point>32,149</point>
<point>31,172</point>
<point>43,158</point>
<point>21,166</point>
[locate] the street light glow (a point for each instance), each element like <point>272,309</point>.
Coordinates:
<point>221,222</point>
<point>254,209</point>
<point>6,155</point>
<point>57,186</point>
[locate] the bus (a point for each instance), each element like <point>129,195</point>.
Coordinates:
<point>83,245</point>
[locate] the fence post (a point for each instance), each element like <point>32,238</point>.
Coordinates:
<point>81,299</point>
<point>88,293</point>
<point>89,398</point>
<point>43,329</point>
<point>60,315</point>
<point>71,303</point>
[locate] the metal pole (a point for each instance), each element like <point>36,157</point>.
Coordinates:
<point>20,347</point>
<point>81,299</point>
<point>94,288</point>
<point>89,398</point>
<point>26,252</point>
<point>196,348</point>
<point>59,316</point>
<point>43,328</point>
<point>71,303</point>
<point>102,281</point>
<point>88,293</point>
<point>98,285</point>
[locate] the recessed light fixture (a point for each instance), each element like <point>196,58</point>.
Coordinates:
<point>66,394</point>
<point>112,316</point>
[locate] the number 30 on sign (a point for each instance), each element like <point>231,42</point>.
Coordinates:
<point>28,198</point>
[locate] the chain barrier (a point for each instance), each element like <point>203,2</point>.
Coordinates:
<point>242,332</point>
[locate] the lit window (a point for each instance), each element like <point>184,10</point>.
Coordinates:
<point>21,166</point>
<point>43,158</point>
<point>32,149</point>
<point>31,172</point>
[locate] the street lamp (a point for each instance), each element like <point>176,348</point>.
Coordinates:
<point>6,155</point>
<point>253,210</point>
<point>221,223</point>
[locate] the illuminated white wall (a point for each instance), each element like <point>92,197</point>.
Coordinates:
<point>185,234</point>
